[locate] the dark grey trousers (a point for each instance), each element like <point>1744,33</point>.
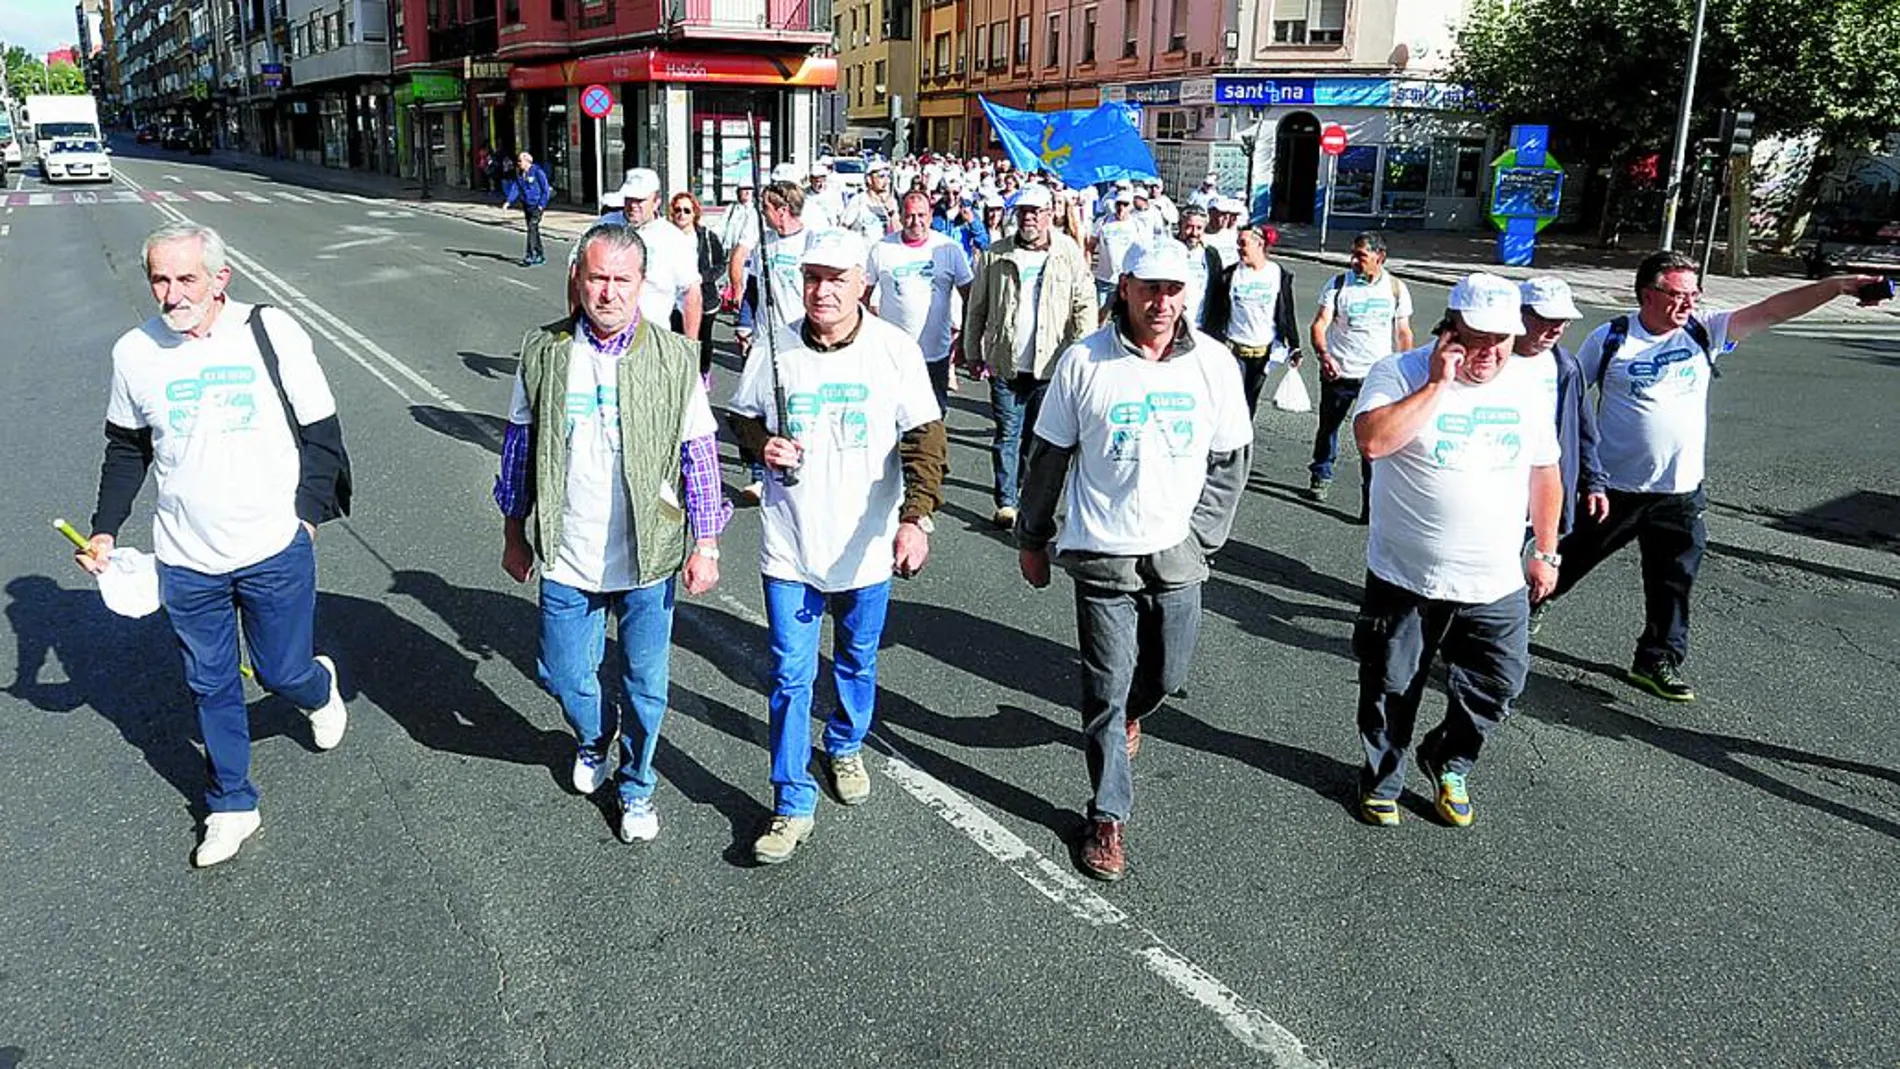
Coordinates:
<point>1136,649</point>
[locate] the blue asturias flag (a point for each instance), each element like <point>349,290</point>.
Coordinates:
<point>1080,147</point>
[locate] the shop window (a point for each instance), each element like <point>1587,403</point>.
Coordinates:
<point>1174,124</point>
<point>1457,167</point>
<point>1356,180</point>
<point>1407,178</point>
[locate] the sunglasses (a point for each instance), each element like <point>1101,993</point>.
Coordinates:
<point>683,209</point>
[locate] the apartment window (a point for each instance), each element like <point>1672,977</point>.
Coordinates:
<point>333,30</point>
<point>1088,35</point>
<point>511,12</point>
<point>1054,51</point>
<point>941,49</point>
<point>1309,22</point>
<point>1022,41</point>
<point>999,45</point>
<point>401,42</point>
<point>852,40</point>
<point>982,53</point>
<point>557,10</point>
<point>1177,26</point>
<point>1131,22</point>
<point>878,84</point>
<point>866,38</point>
<point>898,20</point>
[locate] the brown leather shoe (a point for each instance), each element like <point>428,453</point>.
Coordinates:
<point>1102,850</point>
<point>1134,737</point>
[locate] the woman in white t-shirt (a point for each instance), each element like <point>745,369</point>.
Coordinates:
<point>1257,316</point>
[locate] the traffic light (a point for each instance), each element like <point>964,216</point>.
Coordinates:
<point>1738,132</point>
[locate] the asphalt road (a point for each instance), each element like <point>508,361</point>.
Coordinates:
<point>1646,885</point>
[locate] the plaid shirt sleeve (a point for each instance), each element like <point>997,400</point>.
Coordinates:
<point>514,488</point>
<point>706,504</point>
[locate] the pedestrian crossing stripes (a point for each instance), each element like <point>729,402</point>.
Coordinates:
<point>119,195</point>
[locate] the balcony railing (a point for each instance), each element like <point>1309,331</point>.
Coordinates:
<point>474,38</point>
<point>792,16</point>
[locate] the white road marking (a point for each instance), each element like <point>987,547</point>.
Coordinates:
<point>516,282</point>
<point>174,178</point>
<point>168,196</point>
<point>36,200</point>
<point>291,197</point>
<point>327,198</point>
<point>1242,1020</point>
<point>254,198</point>
<point>215,198</point>
<point>5,230</point>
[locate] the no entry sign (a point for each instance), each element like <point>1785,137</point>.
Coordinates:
<point>1332,140</point>
<point>598,100</point>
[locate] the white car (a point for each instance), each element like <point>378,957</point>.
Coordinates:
<point>848,175</point>
<point>76,160</point>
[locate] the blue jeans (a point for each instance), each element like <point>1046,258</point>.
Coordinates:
<point>1014,405</point>
<point>573,643</point>
<point>276,601</point>
<point>1487,656</point>
<point>796,613</point>
<point>1136,649</point>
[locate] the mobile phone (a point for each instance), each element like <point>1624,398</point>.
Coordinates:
<point>1874,292</point>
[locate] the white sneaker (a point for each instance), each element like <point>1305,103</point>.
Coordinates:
<point>639,822</point>
<point>327,723</point>
<point>224,833</point>
<point>591,770</point>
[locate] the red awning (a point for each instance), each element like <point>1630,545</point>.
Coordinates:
<point>660,65</point>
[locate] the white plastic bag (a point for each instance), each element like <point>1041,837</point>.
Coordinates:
<point>129,584</point>
<point>1290,395</point>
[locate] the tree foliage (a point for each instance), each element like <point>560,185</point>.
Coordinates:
<point>1609,72</point>
<point>27,75</point>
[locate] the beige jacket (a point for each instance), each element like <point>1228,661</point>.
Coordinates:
<point>1068,310</point>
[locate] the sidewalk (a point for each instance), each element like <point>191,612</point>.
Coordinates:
<point>1601,277</point>
<point>484,208</point>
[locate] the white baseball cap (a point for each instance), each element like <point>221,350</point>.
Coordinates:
<point>840,249</point>
<point>641,183</point>
<point>819,167</point>
<point>787,172</point>
<point>1212,179</point>
<point>1231,205</point>
<point>1164,261</point>
<point>1033,196</point>
<point>1549,296</point>
<point>1488,303</point>
<point>613,198</point>
<point>879,166</point>
<point>1124,197</point>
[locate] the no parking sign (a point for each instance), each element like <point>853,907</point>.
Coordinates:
<point>596,101</point>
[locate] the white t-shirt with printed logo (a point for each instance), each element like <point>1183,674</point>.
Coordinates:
<point>223,456</point>
<point>597,550</point>
<point>846,408</point>
<point>1142,431</point>
<point>1197,286</point>
<point>1449,507</point>
<point>1255,295</point>
<point>915,284</point>
<point>1030,264</point>
<point>1653,413</point>
<point>1360,334</point>
<point>1113,242</point>
<point>787,278</point>
<point>1543,368</point>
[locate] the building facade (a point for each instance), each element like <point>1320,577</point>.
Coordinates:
<point>684,77</point>
<point>334,104</point>
<point>943,77</point>
<point>877,73</point>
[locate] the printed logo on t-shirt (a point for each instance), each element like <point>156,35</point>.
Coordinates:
<point>1368,308</point>
<point>598,411</point>
<point>835,411</point>
<point>231,410</point>
<point>1484,440</point>
<point>1656,376</point>
<point>1171,414</point>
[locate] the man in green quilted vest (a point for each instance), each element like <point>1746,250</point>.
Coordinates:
<point>609,456</point>
<point>860,425</point>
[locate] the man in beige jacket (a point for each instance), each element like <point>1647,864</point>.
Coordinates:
<point>1032,299</point>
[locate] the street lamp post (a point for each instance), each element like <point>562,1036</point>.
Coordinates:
<point>1678,156</point>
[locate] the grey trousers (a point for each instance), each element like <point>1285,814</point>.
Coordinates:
<point>1487,657</point>
<point>1135,651</point>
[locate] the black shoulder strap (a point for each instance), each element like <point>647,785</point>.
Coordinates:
<point>1612,342</point>
<point>1699,333</point>
<point>269,353</point>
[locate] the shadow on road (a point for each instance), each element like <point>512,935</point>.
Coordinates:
<point>490,367</point>
<point>484,254</point>
<point>124,669</point>
<point>1830,571</point>
<point>1592,709</point>
<point>475,428</point>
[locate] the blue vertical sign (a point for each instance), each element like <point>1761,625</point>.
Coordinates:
<point>1517,242</point>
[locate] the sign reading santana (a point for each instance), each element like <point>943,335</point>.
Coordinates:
<point>1255,92</point>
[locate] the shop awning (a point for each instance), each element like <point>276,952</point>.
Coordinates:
<point>661,65</point>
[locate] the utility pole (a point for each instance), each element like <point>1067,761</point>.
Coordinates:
<point>1678,157</point>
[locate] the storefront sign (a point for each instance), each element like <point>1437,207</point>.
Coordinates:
<point>272,73</point>
<point>1343,93</point>
<point>483,70</point>
<point>659,65</point>
<point>1263,92</point>
<point>433,87</point>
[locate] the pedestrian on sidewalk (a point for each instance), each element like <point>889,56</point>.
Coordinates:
<point>1652,369</point>
<point>1463,449</point>
<point>1257,316</point>
<point>531,188</point>
<point>609,432</point>
<point>1548,310</point>
<point>912,279</point>
<point>228,402</point>
<point>1032,298</point>
<point>1365,315</point>
<point>1149,498</point>
<point>867,442</point>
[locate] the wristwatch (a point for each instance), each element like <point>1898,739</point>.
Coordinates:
<point>923,521</point>
<point>1552,559</point>
<point>706,552</point>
